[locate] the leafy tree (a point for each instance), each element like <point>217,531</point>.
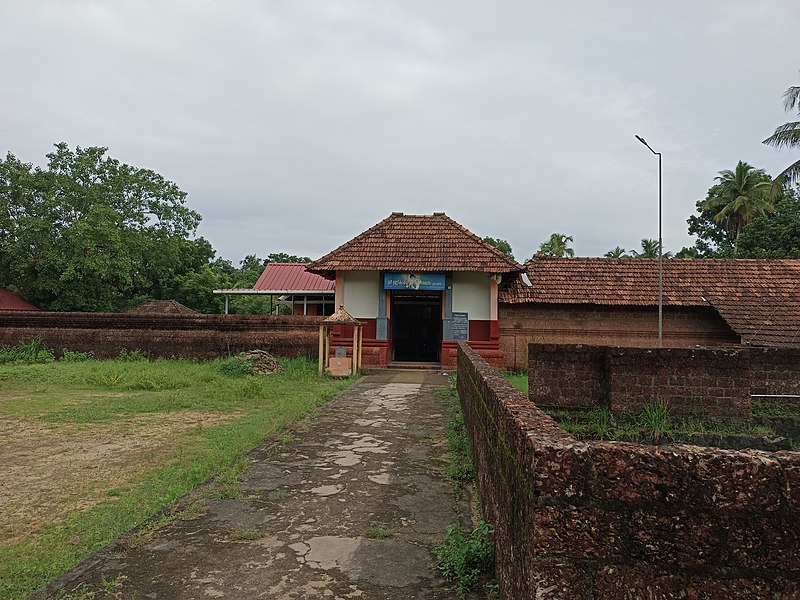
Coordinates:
<point>557,245</point>
<point>501,245</point>
<point>195,288</point>
<point>712,238</point>
<point>617,252</point>
<point>788,136</point>
<point>775,235</point>
<point>650,250</point>
<point>89,232</point>
<point>282,257</point>
<point>740,196</point>
<point>688,252</point>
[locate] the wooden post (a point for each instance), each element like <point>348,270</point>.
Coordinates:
<point>327,347</point>
<point>360,345</point>
<point>321,345</point>
<point>355,347</point>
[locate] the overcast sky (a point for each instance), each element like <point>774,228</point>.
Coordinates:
<point>295,125</point>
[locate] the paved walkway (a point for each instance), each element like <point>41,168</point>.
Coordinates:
<point>350,507</point>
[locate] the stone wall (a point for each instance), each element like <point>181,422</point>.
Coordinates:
<point>703,381</point>
<point>776,373</point>
<point>615,520</point>
<point>628,326</point>
<point>190,336</point>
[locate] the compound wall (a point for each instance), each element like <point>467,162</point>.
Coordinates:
<point>615,520</point>
<point>190,336</point>
<point>627,326</point>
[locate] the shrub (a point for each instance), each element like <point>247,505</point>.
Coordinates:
<point>69,356</point>
<point>234,366</point>
<point>132,356</point>
<point>465,559</point>
<point>34,352</point>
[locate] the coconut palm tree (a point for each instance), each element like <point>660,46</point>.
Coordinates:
<point>787,136</point>
<point>740,196</point>
<point>617,252</point>
<point>557,245</point>
<point>650,250</point>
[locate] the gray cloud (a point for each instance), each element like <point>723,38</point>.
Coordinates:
<point>296,125</point>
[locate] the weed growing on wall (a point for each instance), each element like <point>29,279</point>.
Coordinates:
<point>655,419</point>
<point>465,559</point>
<point>462,469</point>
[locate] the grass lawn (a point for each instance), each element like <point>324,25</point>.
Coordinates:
<point>656,422</point>
<point>518,380</point>
<point>90,449</point>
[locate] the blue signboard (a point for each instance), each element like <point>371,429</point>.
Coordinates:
<point>413,281</point>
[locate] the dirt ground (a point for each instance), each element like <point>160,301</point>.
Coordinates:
<point>350,506</point>
<point>52,469</point>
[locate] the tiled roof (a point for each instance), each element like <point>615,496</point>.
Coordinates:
<point>10,301</point>
<point>161,307</point>
<point>759,299</point>
<point>291,277</point>
<point>422,243</point>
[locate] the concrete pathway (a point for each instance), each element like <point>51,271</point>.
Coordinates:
<point>350,507</point>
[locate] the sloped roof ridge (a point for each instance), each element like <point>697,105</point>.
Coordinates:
<point>312,265</point>
<point>384,223</point>
<point>499,253</point>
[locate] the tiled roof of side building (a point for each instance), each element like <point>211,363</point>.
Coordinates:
<point>421,243</point>
<point>10,301</point>
<point>759,299</point>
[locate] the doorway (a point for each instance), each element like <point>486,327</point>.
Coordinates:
<point>416,319</point>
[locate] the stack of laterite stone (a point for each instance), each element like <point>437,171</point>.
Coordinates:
<point>263,362</point>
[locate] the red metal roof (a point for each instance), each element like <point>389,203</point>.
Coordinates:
<point>10,301</point>
<point>291,277</point>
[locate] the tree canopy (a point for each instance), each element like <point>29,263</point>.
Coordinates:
<point>788,136</point>
<point>776,235</point>
<point>738,198</point>
<point>557,245</point>
<point>618,252</point>
<point>501,245</point>
<point>90,233</point>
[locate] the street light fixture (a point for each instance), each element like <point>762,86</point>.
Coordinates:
<point>660,251</point>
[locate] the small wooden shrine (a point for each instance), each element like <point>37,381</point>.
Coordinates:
<point>340,366</point>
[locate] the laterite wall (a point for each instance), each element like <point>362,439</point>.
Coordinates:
<point>615,520</point>
<point>630,326</point>
<point>190,336</point>
<point>702,381</point>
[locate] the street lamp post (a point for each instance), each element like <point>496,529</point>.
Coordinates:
<point>660,252</point>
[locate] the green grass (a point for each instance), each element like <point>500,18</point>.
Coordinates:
<point>461,470</point>
<point>655,420</point>
<point>518,379</point>
<point>464,559</point>
<point>82,392</point>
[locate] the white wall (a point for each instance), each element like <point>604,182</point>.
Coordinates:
<point>361,290</point>
<point>472,294</point>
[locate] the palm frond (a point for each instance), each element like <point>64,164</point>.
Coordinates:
<point>791,98</point>
<point>790,175</point>
<point>785,136</point>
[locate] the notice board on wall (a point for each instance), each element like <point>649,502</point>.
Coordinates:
<point>460,326</point>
